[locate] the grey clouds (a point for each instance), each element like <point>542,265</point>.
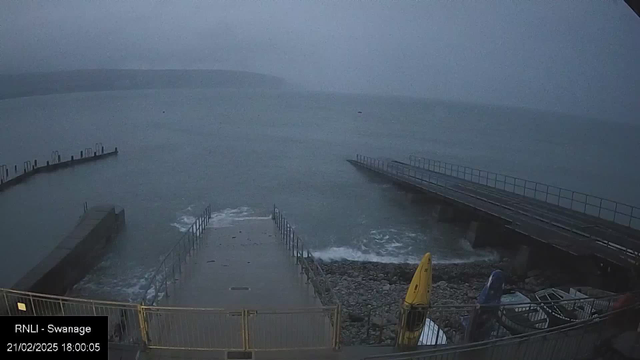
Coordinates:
<point>571,56</point>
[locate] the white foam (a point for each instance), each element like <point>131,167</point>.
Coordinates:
<point>226,217</point>
<point>104,282</point>
<point>184,222</point>
<point>347,253</point>
<point>222,218</point>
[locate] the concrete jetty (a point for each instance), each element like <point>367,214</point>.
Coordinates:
<point>14,175</point>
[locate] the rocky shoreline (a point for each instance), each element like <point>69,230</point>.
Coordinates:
<point>370,293</point>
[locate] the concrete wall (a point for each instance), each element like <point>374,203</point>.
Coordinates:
<point>76,254</point>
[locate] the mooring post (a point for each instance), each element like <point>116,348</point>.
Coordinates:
<point>81,155</point>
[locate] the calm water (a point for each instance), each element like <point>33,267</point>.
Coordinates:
<point>243,151</point>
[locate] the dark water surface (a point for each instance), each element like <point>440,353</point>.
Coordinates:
<point>242,151</point>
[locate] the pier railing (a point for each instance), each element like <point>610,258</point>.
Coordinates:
<point>124,318</point>
<point>10,176</point>
<point>172,264</point>
<point>181,328</point>
<point>466,323</point>
<point>417,175</point>
<point>311,269</point>
<point>148,325</point>
<point>247,329</point>
<point>570,341</point>
<point>620,213</point>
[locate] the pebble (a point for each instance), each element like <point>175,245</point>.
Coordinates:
<point>372,293</point>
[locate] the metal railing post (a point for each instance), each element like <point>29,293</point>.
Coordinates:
<point>338,321</point>
<point>6,301</point>
<point>142,324</point>
<point>32,305</point>
<point>245,330</point>
<point>166,284</point>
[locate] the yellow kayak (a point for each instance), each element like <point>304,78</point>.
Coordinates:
<point>414,308</point>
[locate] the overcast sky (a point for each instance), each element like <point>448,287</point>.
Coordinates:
<point>577,56</point>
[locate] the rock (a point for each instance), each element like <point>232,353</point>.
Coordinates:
<point>386,287</point>
<point>376,322</point>
<point>534,273</point>
<point>355,317</point>
<point>441,283</point>
<point>472,294</point>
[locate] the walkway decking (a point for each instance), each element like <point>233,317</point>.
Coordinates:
<point>574,232</point>
<point>241,273</point>
<point>248,255</point>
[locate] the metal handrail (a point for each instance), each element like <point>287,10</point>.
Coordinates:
<point>27,166</point>
<point>88,152</point>
<point>434,178</point>
<point>172,262</point>
<point>569,303</point>
<point>307,262</point>
<point>148,326</point>
<point>528,337</point>
<point>313,272</point>
<point>536,190</point>
<point>99,148</point>
<point>55,157</point>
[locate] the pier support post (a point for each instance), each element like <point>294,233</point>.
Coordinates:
<point>482,234</point>
<point>445,213</point>
<point>522,261</point>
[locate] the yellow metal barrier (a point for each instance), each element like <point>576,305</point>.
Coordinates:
<point>179,328</point>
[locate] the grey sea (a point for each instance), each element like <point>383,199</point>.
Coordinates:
<point>244,150</point>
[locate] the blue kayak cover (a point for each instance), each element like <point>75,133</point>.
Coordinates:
<point>492,291</point>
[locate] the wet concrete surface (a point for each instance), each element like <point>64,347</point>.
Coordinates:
<point>241,289</point>
<point>243,266</point>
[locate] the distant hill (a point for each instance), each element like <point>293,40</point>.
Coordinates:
<point>30,84</point>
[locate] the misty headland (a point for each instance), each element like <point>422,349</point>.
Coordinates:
<point>60,82</point>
